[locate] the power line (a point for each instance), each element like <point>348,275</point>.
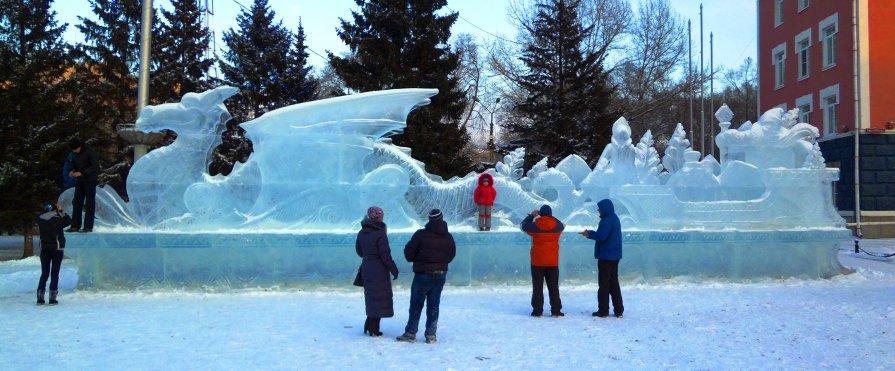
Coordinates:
<point>480,29</point>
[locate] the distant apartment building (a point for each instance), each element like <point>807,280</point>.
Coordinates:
<point>835,61</point>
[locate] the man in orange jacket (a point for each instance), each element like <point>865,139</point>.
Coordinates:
<point>545,231</point>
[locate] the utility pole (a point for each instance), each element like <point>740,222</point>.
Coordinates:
<point>701,87</point>
<point>145,43</point>
<point>690,76</point>
<point>712,90</point>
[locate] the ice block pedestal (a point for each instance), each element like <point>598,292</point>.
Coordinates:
<point>251,260</point>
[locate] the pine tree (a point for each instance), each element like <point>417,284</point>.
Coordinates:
<point>257,62</point>
<point>404,44</point>
<point>182,62</point>
<point>108,70</point>
<point>300,85</point>
<point>33,61</point>
<point>565,108</point>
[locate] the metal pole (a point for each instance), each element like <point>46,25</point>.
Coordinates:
<point>711,90</point>
<point>701,87</point>
<point>690,77</point>
<point>858,118</point>
<point>145,43</point>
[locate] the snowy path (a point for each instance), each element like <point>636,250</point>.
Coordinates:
<point>844,323</point>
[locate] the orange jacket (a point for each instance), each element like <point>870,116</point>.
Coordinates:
<point>545,232</point>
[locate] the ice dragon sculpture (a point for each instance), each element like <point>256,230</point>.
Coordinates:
<point>318,165</point>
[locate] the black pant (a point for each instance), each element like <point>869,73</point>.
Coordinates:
<point>50,262</point>
<point>538,276</point>
<point>85,197</point>
<point>607,275</point>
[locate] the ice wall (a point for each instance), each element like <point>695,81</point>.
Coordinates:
<point>228,260</point>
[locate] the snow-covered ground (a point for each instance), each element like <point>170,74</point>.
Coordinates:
<point>847,322</point>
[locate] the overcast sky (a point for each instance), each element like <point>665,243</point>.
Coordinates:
<point>733,22</point>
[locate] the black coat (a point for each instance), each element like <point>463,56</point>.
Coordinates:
<point>372,246</point>
<point>431,248</point>
<point>86,163</point>
<point>51,225</point>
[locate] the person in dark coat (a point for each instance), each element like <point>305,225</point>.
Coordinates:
<point>52,244</point>
<point>545,232</point>
<point>484,199</point>
<point>608,252</point>
<point>430,250</point>
<point>372,246</point>
<point>85,168</point>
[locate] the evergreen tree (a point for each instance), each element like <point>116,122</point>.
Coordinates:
<point>567,96</point>
<point>257,62</point>
<point>182,62</point>
<point>33,134</point>
<point>404,44</point>
<point>300,85</point>
<point>108,70</point>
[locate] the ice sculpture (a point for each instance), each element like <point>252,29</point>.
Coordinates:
<point>318,165</point>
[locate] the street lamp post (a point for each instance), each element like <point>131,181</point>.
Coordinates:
<point>491,145</point>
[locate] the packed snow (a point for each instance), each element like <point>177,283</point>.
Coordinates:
<point>847,322</point>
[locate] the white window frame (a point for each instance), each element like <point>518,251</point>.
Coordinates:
<point>802,47</point>
<point>829,103</point>
<point>778,60</point>
<point>828,39</point>
<point>803,4</point>
<point>801,103</point>
<point>778,12</point>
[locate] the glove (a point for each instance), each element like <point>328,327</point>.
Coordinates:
<point>395,275</point>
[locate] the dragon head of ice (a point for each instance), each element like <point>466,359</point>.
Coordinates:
<point>196,113</point>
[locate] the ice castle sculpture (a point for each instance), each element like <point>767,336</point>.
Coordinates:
<point>318,165</point>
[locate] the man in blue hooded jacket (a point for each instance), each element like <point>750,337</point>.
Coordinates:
<point>608,252</point>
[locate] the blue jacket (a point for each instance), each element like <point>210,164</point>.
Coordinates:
<point>608,235</point>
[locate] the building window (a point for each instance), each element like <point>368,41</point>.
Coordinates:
<point>803,4</point>
<point>803,43</point>
<point>778,12</point>
<point>829,27</point>
<point>829,100</point>
<point>805,104</point>
<point>779,62</point>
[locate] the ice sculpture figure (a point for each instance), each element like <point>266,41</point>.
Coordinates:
<point>318,165</point>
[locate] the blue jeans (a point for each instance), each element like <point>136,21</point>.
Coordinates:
<point>426,287</point>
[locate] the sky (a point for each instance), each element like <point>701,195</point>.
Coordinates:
<point>733,22</point>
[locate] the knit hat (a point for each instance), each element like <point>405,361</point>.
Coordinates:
<point>375,213</point>
<point>435,214</point>
<point>74,143</point>
<point>545,211</point>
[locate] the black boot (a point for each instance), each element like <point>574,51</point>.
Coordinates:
<point>53,297</point>
<point>40,297</point>
<point>374,327</point>
<point>367,327</point>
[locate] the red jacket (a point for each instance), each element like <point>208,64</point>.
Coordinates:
<point>545,232</point>
<point>485,194</point>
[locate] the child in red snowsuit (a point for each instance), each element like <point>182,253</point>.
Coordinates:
<point>484,199</point>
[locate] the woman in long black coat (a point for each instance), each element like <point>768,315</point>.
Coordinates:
<point>372,246</point>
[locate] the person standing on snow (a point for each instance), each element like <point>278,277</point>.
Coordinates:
<point>608,252</point>
<point>484,199</point>
<point>372,246</point>
<point>545,231</point>
<point>52,244</point>
<point>430,250</point>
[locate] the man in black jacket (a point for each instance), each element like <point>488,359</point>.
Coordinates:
<point>52,244</point>
<point>85,169</point>
<point>430,250</point>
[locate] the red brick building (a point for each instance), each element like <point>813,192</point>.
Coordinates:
<point>833,59</point>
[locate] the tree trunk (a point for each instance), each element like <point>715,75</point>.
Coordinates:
<point>28,231</point>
